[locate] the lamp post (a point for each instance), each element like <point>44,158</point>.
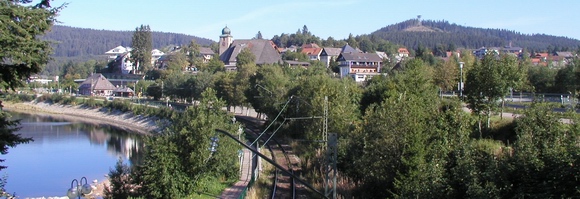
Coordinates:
<point>80,189</point>
<point>461,80</point>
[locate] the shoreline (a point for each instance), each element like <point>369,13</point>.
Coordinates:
<point>126,121</point>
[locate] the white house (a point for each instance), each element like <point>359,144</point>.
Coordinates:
<point>155,55</point>
<point>329,54</point>
<point>359,66</point>
<point>117,51</point>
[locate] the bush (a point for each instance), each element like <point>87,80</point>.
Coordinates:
<point>19,97</point>
<point>117,104</point>
<point>70,100</point>
<point>92,103</point>
<point>44,98</point>
<point>57,98</point>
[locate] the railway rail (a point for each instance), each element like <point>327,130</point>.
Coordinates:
<point>283,186</point>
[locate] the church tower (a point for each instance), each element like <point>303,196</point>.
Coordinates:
<point>225,40</point>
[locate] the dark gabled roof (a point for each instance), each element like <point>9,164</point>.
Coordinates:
<point>359,57</point>
<point>206,51</point>
<point>331,51</point>
<point>123,90</point>
<point>297,63</point>
<point>565,54</point>
<point>98,82</point>
<point>349,49</point>
<point>310,45</point>
<point>264,50</point>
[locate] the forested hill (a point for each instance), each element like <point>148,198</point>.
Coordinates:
<point>83,42</point>
<point>431,34</point>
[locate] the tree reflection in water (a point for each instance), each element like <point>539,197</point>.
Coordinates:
<point>119,142</point>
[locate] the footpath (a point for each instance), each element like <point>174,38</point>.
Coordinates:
<point>237,190</point>
<point>239,187</point>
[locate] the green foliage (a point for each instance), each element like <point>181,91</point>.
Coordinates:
<point>267,89</point>
<point>175,86</point>
<point>308,101</point>
<point>193,54</point>
<point>295,56</point>
<point>475,170</point>
<point>543,79</point>
<point>225,88</point>
<point>92,103</point>
<point>178,62</point>
<point>401,147</point>
<point>545,156</point>
<point>142,44</point>
<point>245,57</point>
<point>77,70</point>
<point>162,174</point>
<point>82,42</point>
<point>489,81</point>
<point>446,75</point>
<point>178,162</point>
<point>22,97</point>
<point>301,37</point>
<point>155,91</point>
<point>7,134</point>
<point>443,32</point>
<point>122,185</point>
<point>119,105</point>
<point>23,53</point>
<point>567,78</point>
<point>213,66</point>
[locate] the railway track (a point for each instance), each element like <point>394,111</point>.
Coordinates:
<point>283,186</point>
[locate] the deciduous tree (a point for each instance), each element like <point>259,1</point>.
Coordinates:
<point>489,81</point>
<point>178,163</point>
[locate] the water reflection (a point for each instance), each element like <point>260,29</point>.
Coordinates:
<point>63,150</point>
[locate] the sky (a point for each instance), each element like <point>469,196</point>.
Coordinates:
<point>324,18</point>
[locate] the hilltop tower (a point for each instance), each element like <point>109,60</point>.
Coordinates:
<point>418,20</point>
<point>226,40</point>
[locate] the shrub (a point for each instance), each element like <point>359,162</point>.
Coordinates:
<point>22,97</point>
<point>91,102</point>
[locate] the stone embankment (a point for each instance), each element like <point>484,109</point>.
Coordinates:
<point>126,121</point>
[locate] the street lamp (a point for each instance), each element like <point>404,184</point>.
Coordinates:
<point>461,80</point>
<point>80,189</point>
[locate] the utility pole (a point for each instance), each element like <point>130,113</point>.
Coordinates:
<point>325,122</point>
<point>330,167</point>
<point>330,143</point>
<point>461,80</point>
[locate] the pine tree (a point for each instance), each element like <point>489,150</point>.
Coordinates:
<point>22,54</point>
<point>142,44</point>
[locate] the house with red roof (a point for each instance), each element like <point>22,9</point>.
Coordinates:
<point>312,50</point>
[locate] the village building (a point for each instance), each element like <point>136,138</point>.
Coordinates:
<point>121,58</point>
<point>265,51</point>
<point>359,66</point>
<point>329,54</point>
<point>97,85</point>
<point>312,50</point>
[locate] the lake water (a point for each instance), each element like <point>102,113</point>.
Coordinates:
<point>62,151</point>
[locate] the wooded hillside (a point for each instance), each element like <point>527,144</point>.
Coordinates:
<point>81,42</point>
<point>428,33</point>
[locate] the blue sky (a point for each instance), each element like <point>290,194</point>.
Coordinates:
<point>324,18</point>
